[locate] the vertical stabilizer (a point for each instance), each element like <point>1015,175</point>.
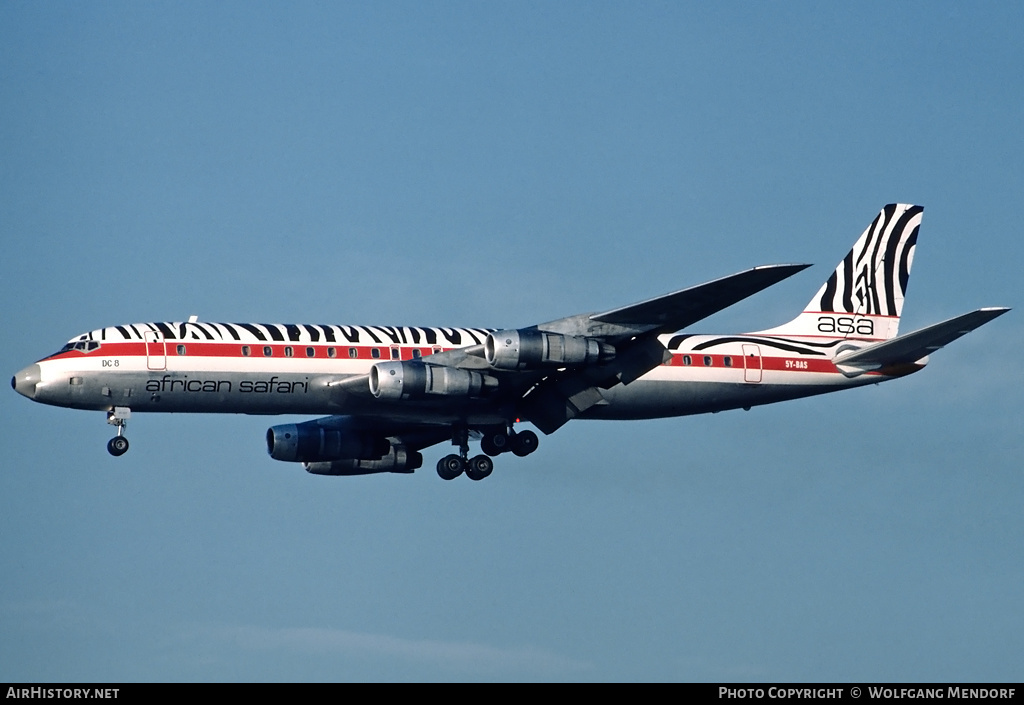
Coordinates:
<point>864,297</point>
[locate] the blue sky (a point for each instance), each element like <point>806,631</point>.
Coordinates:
<point>501,164</point>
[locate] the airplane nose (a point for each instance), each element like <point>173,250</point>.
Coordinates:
<point>25,382</point>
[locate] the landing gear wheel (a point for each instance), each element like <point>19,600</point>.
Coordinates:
<point>479,467</point>
<point>118,417</point>
<point>118,445</point>
<point>524,443</point>
<point>449,467</point>
<point>495,443</point>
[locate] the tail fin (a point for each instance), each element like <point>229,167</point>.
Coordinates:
<point>864,297</point>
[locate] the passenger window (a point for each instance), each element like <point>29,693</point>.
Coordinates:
<point>395,353</point>
<point>245,350</point>
<point>310,352</point>
<point>288,351</point>
<point>416,354</point>
<point>181,349</point>
<point>707,361</point>
<point>727,361</point>
<point>687,360</point>
<point>375,353</point>
<point>331,352</point>
<point>267,351</point>
<point>353,353</point>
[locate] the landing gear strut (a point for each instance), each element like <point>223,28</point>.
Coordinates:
<point>118,445</point>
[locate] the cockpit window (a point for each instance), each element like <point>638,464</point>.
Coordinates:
<point>81,345</point>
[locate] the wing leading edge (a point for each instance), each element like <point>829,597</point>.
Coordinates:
<point>674,311</point>
<point>679,309</point>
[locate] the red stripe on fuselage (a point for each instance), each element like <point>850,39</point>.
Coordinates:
<point>784,364</point>
<point>256,350</point>
<point>207,349</point>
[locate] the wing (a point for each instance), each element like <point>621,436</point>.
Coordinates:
<point>562,366</point>
<point>674,311</point>
<point>552,372</point>
<point>909,348</point>
<point>627,334</point>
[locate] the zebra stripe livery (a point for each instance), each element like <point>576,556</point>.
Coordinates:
<point>290,332</point>
<point>863,299</point>
<point>872,278</point>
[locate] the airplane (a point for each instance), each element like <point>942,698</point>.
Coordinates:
<point>388,392</point>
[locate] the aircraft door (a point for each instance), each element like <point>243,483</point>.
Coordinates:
<point>156,351</point>
<point>752,363</point>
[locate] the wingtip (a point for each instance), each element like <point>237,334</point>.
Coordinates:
<point>993,312</point>
<point>789,269</point>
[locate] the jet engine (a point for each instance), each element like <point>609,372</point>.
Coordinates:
<point>529,349</point>
<point>413,380</point>
<point>312,442</point>
<point>398,459</point>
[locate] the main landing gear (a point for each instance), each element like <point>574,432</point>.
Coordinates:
<point>118,445</point>
<point>500,441</point>
<point>451,466</point>
<point>494,442</point>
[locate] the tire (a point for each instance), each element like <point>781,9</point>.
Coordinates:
<point>449,467</point>
<point>117,446</point>
<point>479,467</point>
<point>494,444</point>
<point>525,443</point>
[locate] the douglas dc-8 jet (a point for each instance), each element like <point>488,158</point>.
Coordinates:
<point>387,392</point>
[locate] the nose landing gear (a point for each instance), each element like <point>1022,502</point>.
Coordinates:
<point>118,445</point>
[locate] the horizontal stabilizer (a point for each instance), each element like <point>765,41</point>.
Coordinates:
<point>672,312</point>
<point>912,347</point>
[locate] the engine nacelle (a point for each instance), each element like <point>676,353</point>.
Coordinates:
<point>397,460</point>
<point>528,348</point>
<point>311,442</point>
<point>413,380</point>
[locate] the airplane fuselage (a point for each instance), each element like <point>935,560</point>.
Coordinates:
<point>295,369</point>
